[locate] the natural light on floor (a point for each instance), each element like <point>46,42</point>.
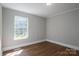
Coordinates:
<point>14,53</point>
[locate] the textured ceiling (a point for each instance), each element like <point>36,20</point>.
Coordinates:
<point>41,9</point>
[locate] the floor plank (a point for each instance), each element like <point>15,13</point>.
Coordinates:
<point>42,49</point>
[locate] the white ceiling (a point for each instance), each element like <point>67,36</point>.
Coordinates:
<point>41,9</point>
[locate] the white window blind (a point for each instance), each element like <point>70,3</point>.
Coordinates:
<point>20,27</point>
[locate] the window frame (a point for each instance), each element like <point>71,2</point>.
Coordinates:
<point>27,33</point>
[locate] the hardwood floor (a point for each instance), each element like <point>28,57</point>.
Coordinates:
<point>42,49</point>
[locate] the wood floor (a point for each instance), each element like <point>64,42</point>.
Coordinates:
<point>42,49</point>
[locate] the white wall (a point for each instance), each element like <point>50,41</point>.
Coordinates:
<point>64,28</point>
<point>0,28</point>
<point>36,29</point>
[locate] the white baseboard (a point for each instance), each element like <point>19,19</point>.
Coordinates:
<point>21,45</point>
<point>65,45</point>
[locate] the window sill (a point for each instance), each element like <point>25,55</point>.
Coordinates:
<point>21,38</point>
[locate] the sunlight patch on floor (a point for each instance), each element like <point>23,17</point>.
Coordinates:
<point>14,53</point>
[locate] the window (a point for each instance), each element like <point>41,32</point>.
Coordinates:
<point>20,28</point>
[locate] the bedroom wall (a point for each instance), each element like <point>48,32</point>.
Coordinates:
<point>0,30</point>
<point>36,29</point>
<point>64,29</point>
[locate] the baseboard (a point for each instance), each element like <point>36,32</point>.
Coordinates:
<point>65,45</point>
<point>21,45</point>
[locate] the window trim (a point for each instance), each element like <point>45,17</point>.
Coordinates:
<point>27,33</point>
